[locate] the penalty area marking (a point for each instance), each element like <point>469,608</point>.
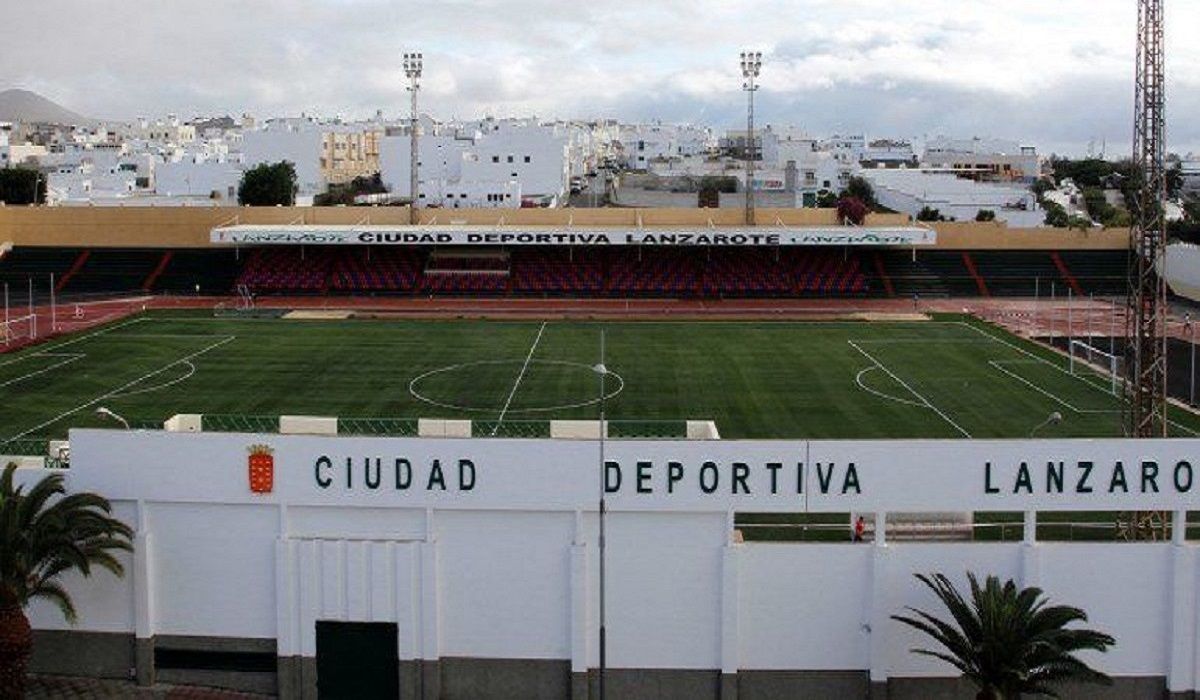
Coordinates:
<point>925,402</point>
<point>69,357</point>
<point>862,385</point>
<point>412,387</point>
<point>119,391</point>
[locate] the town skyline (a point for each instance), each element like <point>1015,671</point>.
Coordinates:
<point>1060,78</point>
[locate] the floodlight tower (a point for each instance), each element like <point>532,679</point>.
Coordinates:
<point>413,65</point>
<point>751,65</point>
<point>1146,319</point>
<point>1147,316</point>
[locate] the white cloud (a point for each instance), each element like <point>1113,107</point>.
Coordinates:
<point>907,66</point>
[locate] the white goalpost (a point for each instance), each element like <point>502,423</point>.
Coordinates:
<point>1091,359</point>
<point>18,328</point>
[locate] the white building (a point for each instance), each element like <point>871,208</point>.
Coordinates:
<point>641,144</point>
<point>910,191</point>
<point>983,159</point>
<point>1189,168</point>
<point>298,140</point>
<point>493,162</point>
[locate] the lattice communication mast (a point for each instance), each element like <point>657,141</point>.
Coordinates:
<point>1146,320</point>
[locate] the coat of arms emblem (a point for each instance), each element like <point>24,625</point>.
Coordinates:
<point>261,469</point>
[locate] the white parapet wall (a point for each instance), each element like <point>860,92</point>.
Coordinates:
<point>440,427</point>
<point>488,549</point>
<point>307,425</point>
<point>702,430</point>
<point>184,423</point>
<point>577,429</point>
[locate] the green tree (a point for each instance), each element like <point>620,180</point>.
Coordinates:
<point>725,184</point>
<point>928,213</point>
<point>345,193</point>
<point>1008,641</point>
<point>1056,215</point>
<point>1041,187</point>
<point>861,189</point>
<point>985,215</point>
<point>44,534</point>
<point>269,185</point>
<point>22,186</point>
<point>826,200</point>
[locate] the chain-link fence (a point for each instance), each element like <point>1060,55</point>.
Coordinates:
<point>395,427</point>
<point>238,423</point>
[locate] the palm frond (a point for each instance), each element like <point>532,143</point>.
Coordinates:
<point>46,532</point>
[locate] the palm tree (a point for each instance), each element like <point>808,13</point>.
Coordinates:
<point>1006,640</point>
<point>45,533</point>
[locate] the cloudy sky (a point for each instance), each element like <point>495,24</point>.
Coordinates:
<point>1056,73</point>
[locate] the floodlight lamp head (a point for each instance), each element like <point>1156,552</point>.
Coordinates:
<point>413,64</point>
<point>1055,418</point>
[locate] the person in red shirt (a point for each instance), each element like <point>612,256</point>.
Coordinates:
<point>860,527</point>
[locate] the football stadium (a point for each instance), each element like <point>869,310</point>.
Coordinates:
<point>652,453</point>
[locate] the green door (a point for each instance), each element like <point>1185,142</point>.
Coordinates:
<point>357,660</point>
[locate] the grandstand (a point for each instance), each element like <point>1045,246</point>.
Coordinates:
<point>580,272</point>
<point>94,253</point>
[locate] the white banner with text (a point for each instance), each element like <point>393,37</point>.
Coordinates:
<point>649,475</point>
<point>613,236</point>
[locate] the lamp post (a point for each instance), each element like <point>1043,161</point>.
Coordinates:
<point>751,65</point>
<point>413,65</point>
<point>1053,419</point>
<point>602,370</point>
<point>1191,331</point>
<point>103,412</point>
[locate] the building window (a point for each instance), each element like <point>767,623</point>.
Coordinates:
<point>495,159</point>
<point>526,159</point>
<point>510,159</point>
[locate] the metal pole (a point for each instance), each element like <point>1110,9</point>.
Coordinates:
<point>1089,319</point>
<point>603,511</point>
<point>1112,329</point>
<point>32,316</point>
<point>414,63</point>
<point>53,306</point>
<point>1192,373</point>
<point>1053,311</point>
<point>751,65</point>
<point>7,326</point>
<point>1070,321</point>
<point>1037,295</point>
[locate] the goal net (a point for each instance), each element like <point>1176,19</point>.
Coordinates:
<point>1090,361</point>
<point>19,329</point>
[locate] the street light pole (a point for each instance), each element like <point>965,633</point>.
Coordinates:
<point>414,63</point>
<point>602,370</point>
<point>751,65</point>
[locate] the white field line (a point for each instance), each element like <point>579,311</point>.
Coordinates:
<point>912,391</point>
<point>999,364</point>
<point>80,339</point>
<point>191,369</point>
<point>69,358</point>
<point>862,385</point>
<point>517,383</point>
<point>1104,389</point>
<point>127,385</point>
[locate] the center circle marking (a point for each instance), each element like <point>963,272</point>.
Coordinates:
<point>413,386</point>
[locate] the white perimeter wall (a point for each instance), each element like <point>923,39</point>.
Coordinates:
<point>523,583</point>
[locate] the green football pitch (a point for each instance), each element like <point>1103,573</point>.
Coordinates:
<point>950,377</point>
